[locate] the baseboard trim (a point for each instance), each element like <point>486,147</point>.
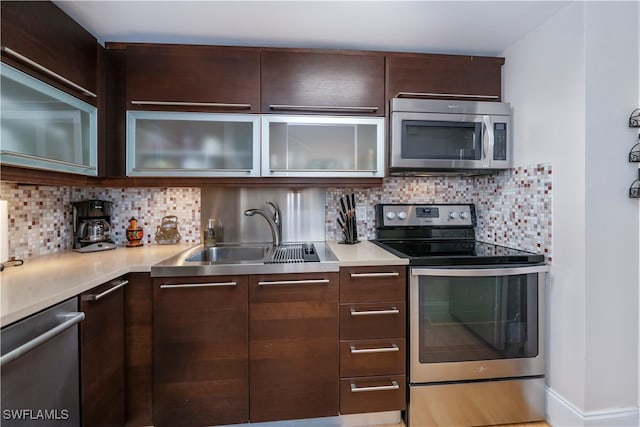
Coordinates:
<point>351,420</point>
<point>562,413</point>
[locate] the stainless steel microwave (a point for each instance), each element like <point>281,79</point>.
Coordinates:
<point>449,137</point>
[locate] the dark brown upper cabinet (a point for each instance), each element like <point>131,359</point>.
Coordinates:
<point>322,82</point>
<point>41,40</point>
<point>192,78</point>
<point>444,76</point>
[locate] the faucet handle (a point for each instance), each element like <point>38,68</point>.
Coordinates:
<point>276,212</point>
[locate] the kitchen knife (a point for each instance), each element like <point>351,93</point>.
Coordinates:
<point>342,203</point>
<point>343,228</point>
<point>343,216</point>
<point>355,223</point>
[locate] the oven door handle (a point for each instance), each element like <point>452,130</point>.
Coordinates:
<point>478,272</point>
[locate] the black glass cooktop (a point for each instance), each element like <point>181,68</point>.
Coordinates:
<point>459,253</point>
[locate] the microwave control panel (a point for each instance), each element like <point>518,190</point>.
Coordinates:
<point>500,141</point>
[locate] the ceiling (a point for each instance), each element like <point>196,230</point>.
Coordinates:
<point>457,27</point>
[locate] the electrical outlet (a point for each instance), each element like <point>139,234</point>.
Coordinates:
<point>361,212</point>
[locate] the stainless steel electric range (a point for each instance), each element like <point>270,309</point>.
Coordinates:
<point>476,318</point>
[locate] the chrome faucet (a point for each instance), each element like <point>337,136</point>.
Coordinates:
<point>277,217</point>
<point>274,220</point>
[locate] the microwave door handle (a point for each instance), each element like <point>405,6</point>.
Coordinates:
<point>487,142</point>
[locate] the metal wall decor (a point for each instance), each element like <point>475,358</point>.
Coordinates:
<point>634,118</point>
<point>634,190</point>
<point>634,154</point>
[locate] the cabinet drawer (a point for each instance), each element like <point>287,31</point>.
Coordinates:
<point>373,320</point>
<point>373,394</point>
<point>372,357</point>
<point>370,284</point>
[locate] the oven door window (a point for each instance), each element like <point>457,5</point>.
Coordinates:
<point>438,140</point>
<point>477,318</point>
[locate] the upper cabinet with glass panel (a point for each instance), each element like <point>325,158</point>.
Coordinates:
<point>45,128</point>
<point>192,144</point>
<point>318,146</point>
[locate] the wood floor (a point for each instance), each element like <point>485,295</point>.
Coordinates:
<point>536,424</point>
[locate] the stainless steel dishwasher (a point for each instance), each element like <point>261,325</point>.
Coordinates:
<point>40,372</point>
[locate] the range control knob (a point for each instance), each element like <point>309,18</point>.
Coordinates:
<point>402,215</point>
<point>391,215</point>
<point>453,215</point>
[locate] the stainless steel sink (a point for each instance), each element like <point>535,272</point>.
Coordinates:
<point>248,258</point>
<point>230,254</point>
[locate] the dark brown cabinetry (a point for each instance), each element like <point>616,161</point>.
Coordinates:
<point>102,355</point>
<point>322,82</point>
<point>40,39</point>
<point>200,351</point>
<point>192,78</point>
<point>444,76</point>
<point>293,346</point>
<point>138,355</point>
<point>372,339</point>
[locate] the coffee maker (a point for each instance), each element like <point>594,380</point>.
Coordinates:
<point>92,226</point>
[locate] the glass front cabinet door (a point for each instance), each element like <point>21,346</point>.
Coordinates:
<point>43,127</point>
<point>192,144</point>
<point>313,146</point>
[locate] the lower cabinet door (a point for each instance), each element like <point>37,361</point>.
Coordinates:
<point>138,357</point>
<point>102,355</point>
<point>200,351</point>
<point>294,363</point>
<point>373,394</point>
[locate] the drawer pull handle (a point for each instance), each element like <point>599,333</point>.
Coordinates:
<point>54,161</point>
<point>393,310</point>
<point>189,170</point>
<point>198,285</point>
<point>394,347</point>
<point>194,104</point>
<point>324,108</point>
<point>116,285</point>
<point>47,71</point>
<point>295,282</point>
<point>443,95</point>
<point>394,386</point>
<point>280,170</point>
<point>390,274</point>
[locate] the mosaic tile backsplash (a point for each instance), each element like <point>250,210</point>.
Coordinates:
<point>513,207</point>
<point>41,217</point>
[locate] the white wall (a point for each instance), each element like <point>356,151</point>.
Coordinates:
<point>611,53</point>
<point>544,82</point>
<point>572,83</point>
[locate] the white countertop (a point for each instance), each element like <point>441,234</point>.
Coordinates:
<point>363,254</point>
<point>49,279</point>
<point>43,281</point>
